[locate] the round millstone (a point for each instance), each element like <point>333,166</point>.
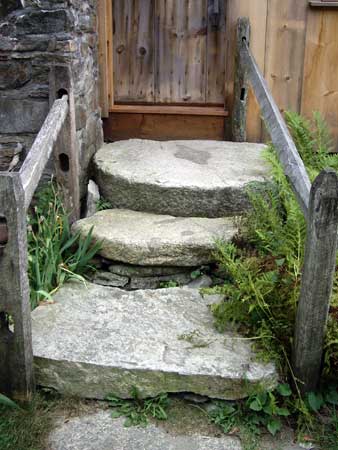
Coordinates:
<point>148,239</point>
<point>180,178</point>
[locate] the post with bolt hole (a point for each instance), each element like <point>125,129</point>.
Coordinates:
<point>16,356</point>
<point>241,83</point>
<point>317,281</point>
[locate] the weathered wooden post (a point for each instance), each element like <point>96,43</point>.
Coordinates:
<point>317,280</point>
<point>241,83</point>
<point>16,356</point>
<point>66,151</point>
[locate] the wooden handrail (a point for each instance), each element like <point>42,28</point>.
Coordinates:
<point>287,152</point>
<point>42,149</point>
<point>319,204</point>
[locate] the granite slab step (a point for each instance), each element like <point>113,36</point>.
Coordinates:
<point>100,432</point>
<point>94,341</point>
<point>179,178</point>
<point>156,240</point>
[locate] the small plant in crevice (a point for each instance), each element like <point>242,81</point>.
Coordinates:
<point>103,204</point>
<point>137,411</point>
<point>55,255</point>
<point>169,284</point>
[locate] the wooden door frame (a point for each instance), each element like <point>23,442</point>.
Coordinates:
<point>105,52</point>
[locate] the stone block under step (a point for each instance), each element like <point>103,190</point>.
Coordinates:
<point>149,239</point>
<point>179,178</point>
<point>94,341</point>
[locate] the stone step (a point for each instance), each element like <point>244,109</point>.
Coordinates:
<point>148,239</point>
<point>179,178</point>
<point>94,341</point>
<point>100,432</point>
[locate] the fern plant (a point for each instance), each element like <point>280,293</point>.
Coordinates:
<point>264,263</point>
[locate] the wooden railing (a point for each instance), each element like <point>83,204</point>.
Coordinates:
<point>57,137</point>
<point>319,203</point>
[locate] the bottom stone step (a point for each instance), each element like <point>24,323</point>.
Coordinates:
<point>95,340</point>
<point>99,432</point>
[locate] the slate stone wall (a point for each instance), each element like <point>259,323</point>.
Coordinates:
<point>35,34</point>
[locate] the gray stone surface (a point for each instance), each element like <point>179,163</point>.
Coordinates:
<point>105,278</point>
<point>180,178</point>
<point>128,270</point>
<point>149,239</point>
<point>110,279</point>
<point>94,340</point>
<point>203,281</point>
<point>34,35</point>
<point>93,196</point>
<point>100,432</point>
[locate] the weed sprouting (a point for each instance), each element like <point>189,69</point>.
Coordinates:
<point>137,411</point>
<point>55,254</point>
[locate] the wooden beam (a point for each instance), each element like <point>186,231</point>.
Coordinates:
<point>103,58</point>
<point>317,280</point>
<point>176,110</point>
<point>16,354</point>
<point>239,112</point>
<point>42,149</point>
<point>287,152</point>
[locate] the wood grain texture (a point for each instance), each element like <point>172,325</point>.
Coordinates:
<point>110,52</point>
<point>317,280</point>
<point>121,126</point>
<point>16,355</point>
<point>171,109</point>
<point>42,149</point>
<point>287,152</point>
<point>216,53</point>
<point>181,39</point>
<point>256,11</point>
<point>239,113</point>
<point>134,50</point>
<point>285,49</point>
<point>320,88</point>
<point>103,58</point>
<point>66,149</point>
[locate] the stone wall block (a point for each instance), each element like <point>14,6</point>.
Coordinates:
<point>43,22</point>
<point>14,75</point>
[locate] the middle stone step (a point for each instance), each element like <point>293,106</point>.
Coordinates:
<point>156,240</point>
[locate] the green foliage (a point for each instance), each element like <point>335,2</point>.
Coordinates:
<point>138,411</point>
<point>103,204</point>
<point>263,268</point>
<point>169,284</point>
<point>5,401</point>
<point>55,254</point>
<point>262,410</point>
<point>263,265</point>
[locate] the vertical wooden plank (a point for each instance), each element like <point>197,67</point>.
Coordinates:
<point>216,45</point>
<point>103,79</point>
<point>181,29</point>
<point>317,280</point>
<point>320,88</point>
<point>134,50</point>
<point>285,48</point>
<point>241,83</point>
<point>256,11</point>
<point>110,53</point>
<point>66,151</point>
<point>16,355</point>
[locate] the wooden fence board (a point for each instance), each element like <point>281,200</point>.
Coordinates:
<point>216,44</point>
<point>285,48</point>
<point>134,50</point>
<point>181,28</point>
<point>320,88</point>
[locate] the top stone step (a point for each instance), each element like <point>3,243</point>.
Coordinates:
<point>179,178</point>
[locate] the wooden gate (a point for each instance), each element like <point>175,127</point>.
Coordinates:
<point>165,59</point>
<point>169,52</point>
